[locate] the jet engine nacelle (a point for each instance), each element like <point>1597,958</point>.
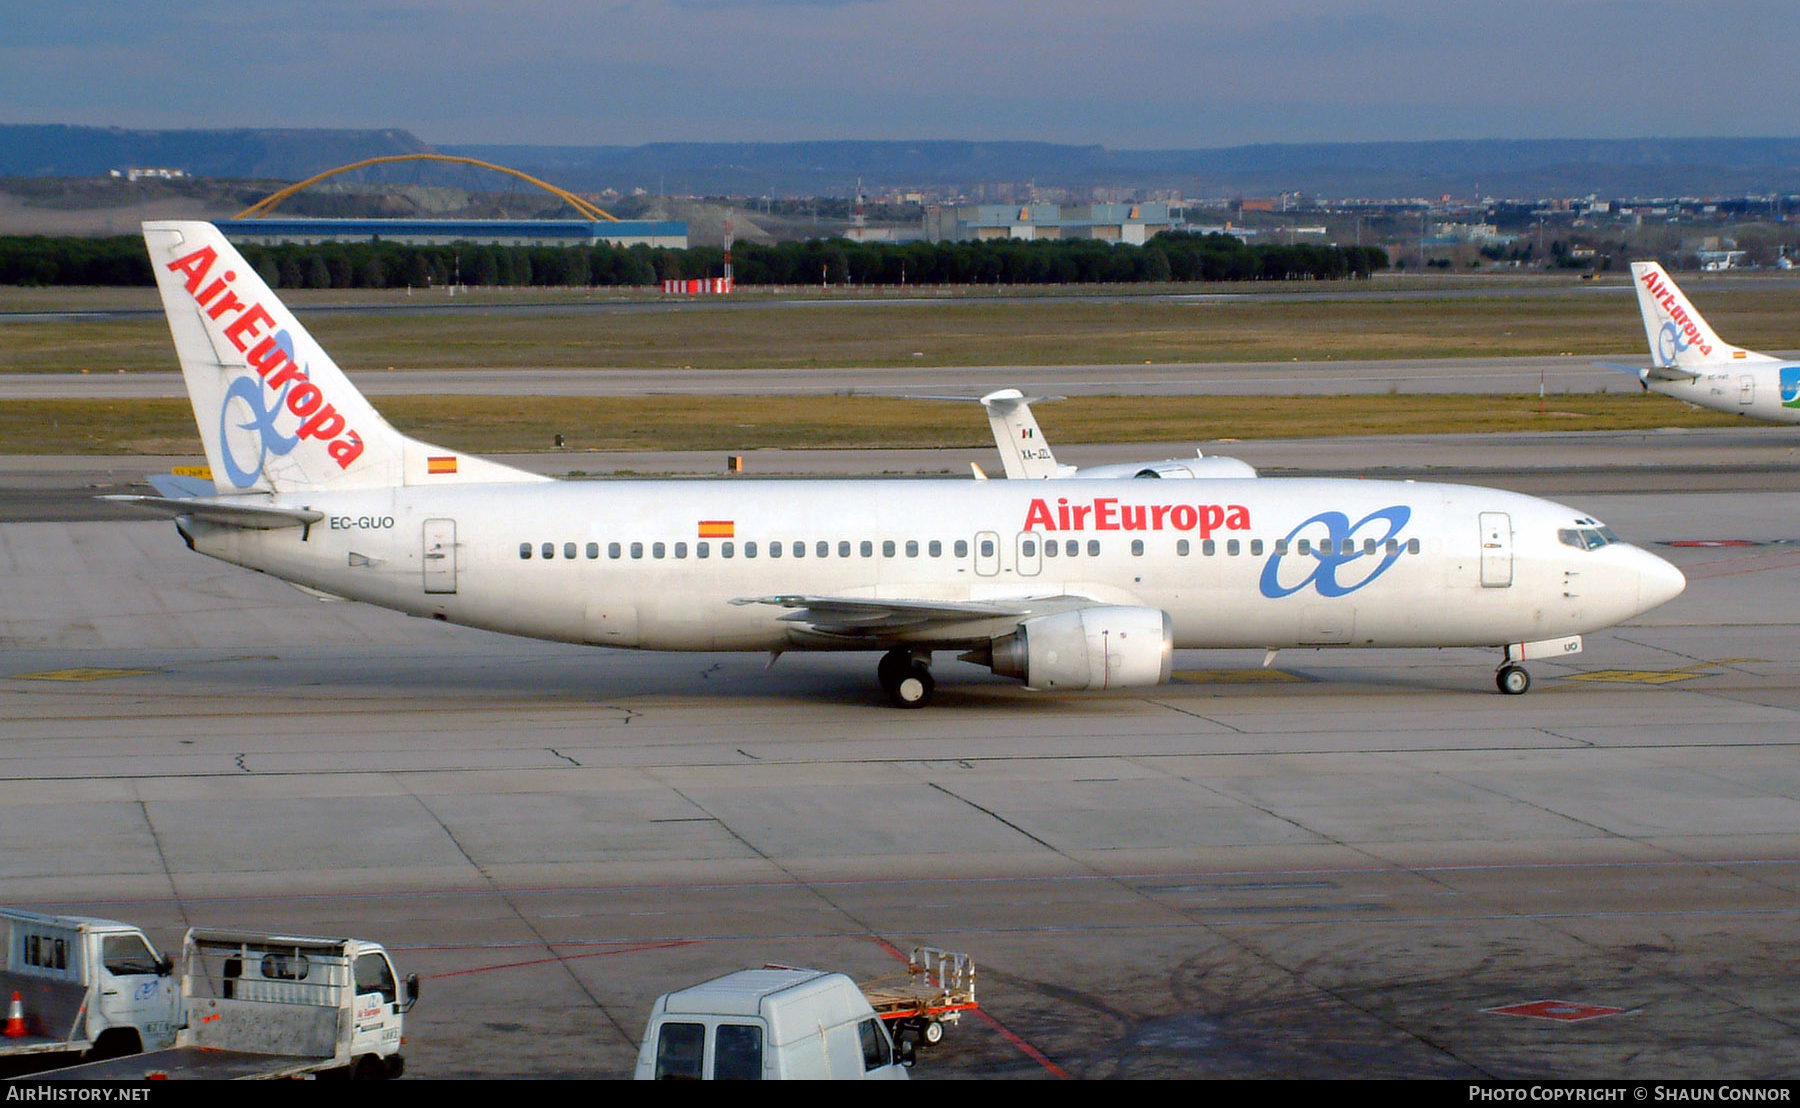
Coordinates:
<point>1178,468</point>
<point>1090,648</point>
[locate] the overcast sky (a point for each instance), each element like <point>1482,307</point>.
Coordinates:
<point>1120,73</point>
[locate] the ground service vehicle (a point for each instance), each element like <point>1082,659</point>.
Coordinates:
<point>85,988</point>
<point>937,988</point>
<point>768,1024</point>
<point>263,1006</point>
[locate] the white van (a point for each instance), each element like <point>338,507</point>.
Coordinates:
<point>768,1024</point>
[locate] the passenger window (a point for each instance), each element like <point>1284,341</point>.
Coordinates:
<point>1232,547</point>
<point>126,954</point>
<point>935,548</point>
<point>681,550</point>
<point>875,1045</point>
<point>1281,546</point>
<point>844,549</point>
<point>987,548</point>
<point>1412,546</point>
<point>593,550</point>
<point>912,548</point>
<point>962,548</point>
<point>1393,547</point>
<point>887,548</point>
<point>1137,547</point>
<point>1050,548</point>
<point>1028,549</point>
<point>1209,547</point>
<point>737,1047</point>
<point>823,549</point>
<point>1256,548</point>
<point>637,550</point>
<point>1368,546</point>
<point>1073,548</point>
<point>726,549</point>
<point>680,1049</point>
<point>568,550</point>
<point>1303,549</point>
<point>775,550</point>
<point>549,550</point>
<point>525,551</point>
<point>657,550</point>
<point>612,550</point>
<point>1093,548</point>
<point>703,550</point>
<point>868,549</point>
<point>750,549</point>
<point>799,549</point>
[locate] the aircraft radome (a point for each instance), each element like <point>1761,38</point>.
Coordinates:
<point>1062,584</point>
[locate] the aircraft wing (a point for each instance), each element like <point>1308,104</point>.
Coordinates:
<point>1655,372</point>
<point>883,617</point>
<point>259,517</point>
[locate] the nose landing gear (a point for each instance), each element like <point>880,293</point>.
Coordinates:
<point>1512,679</point>
<point>906,678</point>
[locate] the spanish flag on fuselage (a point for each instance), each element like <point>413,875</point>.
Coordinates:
<point>718,528</point>
<point>440,465</point>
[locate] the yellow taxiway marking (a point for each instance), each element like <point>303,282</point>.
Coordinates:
<point>1655,676</point>
<point>1229,676</point>
<point>83,673</point>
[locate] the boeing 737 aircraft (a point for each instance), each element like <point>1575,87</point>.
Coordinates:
<point>1064,585</point>
<point>1691,363</point>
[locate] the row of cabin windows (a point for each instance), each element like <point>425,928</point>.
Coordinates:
<point>798,549</point>
<point>960,548</point>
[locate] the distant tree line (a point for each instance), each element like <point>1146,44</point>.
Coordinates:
<point>1178,256</point>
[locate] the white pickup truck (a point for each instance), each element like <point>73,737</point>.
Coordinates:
<point>263,1006</point>
<point>84,988</point>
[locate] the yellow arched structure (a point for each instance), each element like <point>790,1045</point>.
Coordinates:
<point>268,203</point>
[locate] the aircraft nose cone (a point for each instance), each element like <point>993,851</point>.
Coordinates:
<point>1658,582</point>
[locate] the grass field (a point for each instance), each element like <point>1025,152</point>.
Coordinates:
<point>1045,330</point>
<point>525,424</point>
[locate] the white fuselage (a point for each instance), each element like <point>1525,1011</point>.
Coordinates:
<point>1759,390</point>
<point>658,565</point>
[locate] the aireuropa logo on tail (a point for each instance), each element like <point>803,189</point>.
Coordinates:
<point>1679,331</point>
<point>248,415</point>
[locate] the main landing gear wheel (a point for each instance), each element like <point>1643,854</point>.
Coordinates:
<point>933,1033</point>
<point>1513,680</point>
<point>906,679</point>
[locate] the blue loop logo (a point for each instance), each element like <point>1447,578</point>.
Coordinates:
<point>1670,343</point>
<point>262,437</point>
<point>1339,566</point>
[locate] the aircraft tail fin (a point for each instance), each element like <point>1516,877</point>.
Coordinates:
<point>1022,447</point>
<point>276,414</point>
<point>1679,335</point>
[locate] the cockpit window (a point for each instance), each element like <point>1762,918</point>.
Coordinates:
<point>1592,536</point>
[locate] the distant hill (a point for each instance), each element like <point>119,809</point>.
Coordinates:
<point>1499,167</point>
<point>63,151</point>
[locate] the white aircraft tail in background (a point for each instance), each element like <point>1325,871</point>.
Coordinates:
<point>1690,362</point>
<point>1026,454</point>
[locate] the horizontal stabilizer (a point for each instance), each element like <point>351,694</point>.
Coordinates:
<point>1655,372</point>
<point>258,517</point>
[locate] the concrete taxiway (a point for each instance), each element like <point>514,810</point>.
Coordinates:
<point>1554,374</point>
<point>1344,865</point>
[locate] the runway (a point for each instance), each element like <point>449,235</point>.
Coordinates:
<point>1339,866</point>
